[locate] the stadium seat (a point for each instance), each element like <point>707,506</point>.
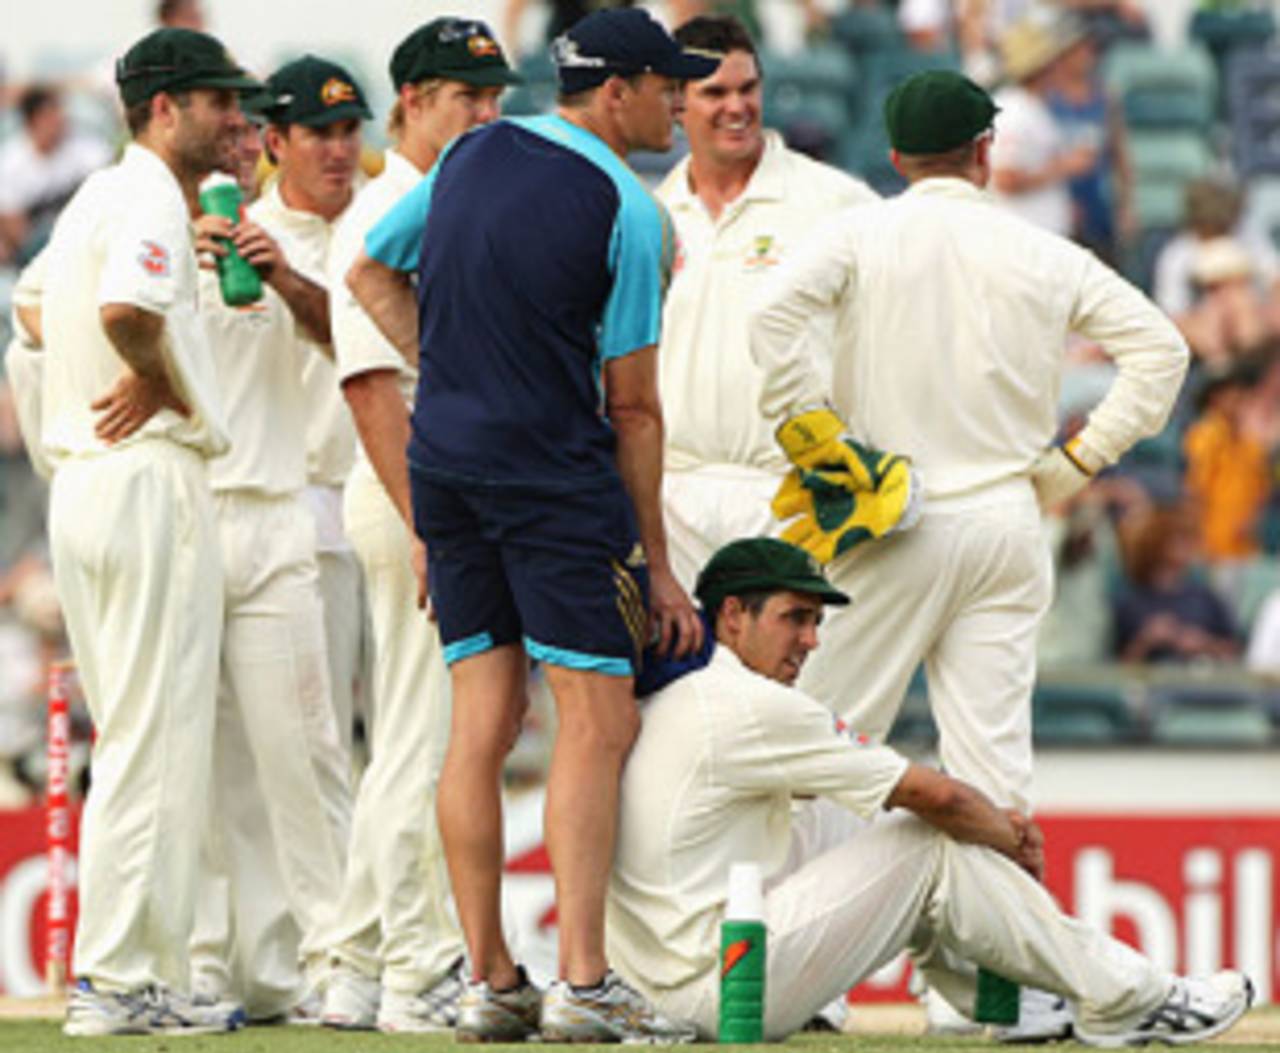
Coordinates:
<point>538,92</point>
<point>864,30</point>
<point>1209,715</point>
<point>1253,88</point>
<point>1161,88</point>
<point>1070,714</point>
<point>1163,163</point>
<point>1262,207</point>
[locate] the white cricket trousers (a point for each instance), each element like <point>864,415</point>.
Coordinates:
<point>964,591</point>
<point>135,559</point>
<point>396,880</point>
<point>854,895</point>
<point>281,787</point>
<point>707,507</point>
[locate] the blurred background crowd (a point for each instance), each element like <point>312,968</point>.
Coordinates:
<point>1147,130</point>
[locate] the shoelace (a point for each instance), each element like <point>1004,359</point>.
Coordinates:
<point>1178,1014</point>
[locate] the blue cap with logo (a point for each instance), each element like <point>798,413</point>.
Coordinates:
<point>623,42</point>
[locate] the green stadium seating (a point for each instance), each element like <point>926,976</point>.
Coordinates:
<point>1161,88</point>
<point>1077,714</point>
<point>1209,716</point>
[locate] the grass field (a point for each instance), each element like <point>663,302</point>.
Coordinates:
<point>1259,1031</point>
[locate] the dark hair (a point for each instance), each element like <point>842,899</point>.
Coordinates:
<point>138,116</point>
<point>753,601</point>
<point>719,33</point>
<point>168,9</point>
<point>35,99</point>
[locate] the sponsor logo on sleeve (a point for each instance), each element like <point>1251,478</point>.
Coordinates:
<point>154,258</point>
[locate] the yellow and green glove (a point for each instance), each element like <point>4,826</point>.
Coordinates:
<point>829,519</point>
<point>817,440</point>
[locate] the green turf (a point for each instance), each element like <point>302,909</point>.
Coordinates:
<point>45,1036</point>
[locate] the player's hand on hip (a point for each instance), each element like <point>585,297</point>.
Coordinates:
<point>817,440</point>
<point>673,621</point>
<point>1061,472</point>
<point>132,401</point>
<point>1028,852</point>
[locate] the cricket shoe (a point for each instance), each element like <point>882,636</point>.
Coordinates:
<point>350,1000</point>
<point>943,1020</point>
<point>1042,1017</point>
<point>421,1012</point>
<point>613,1011</point>
<point>150,1010</point>
<point>1196,1009</point>
<point>486,1015</point>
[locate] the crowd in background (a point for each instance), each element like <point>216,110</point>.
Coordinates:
<point>1174,556</point>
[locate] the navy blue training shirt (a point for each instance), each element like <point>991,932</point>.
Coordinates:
<point>539,257</point>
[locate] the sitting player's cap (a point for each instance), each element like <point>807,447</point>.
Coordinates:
<point>313,92</point>
<point>936,111</point>
<point>173,60</point>
<point>763,564</point>
<point>623,42</point>
<point>462,49</point>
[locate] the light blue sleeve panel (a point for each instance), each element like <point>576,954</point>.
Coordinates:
<point>396,239</point>
<point>633,313</point>
<point>632,316</point>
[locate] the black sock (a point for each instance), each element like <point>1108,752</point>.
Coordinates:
<point>522,980</point>
<point>590,989</point>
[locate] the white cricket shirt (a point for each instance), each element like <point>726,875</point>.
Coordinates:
<point>710,782</point>
<point>952,316</point>
<point>330,432</point>
<point>125,237</point>
<point>710,386</point>
<point>358,344</point>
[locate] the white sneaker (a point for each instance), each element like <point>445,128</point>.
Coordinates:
<point>485,1015</point>
<point>1197,1008</point>
<point>435,1009</point>
<point>307,1010</point>
<point>350,1000</point>
<point>1042,1017</point>
<point>148,1010</point>
<point>612,1012</point>
<point>942,1019</point>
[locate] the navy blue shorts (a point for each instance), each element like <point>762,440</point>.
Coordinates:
<point>563,574</point>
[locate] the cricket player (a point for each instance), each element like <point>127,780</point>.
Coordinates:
<point>733,764</point>
<point>538,256</point>
<point>951,319</point>
<point>742,203</point>
<point>395,915</point>
<point>130,415</point>
<point>282,773</point>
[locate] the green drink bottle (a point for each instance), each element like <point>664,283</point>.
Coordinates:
<point>742,958</point>
<point>240,282</point>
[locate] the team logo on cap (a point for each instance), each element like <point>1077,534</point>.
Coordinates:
<point>335,91</point>
<point>154,258</point>
<point>482,46</point>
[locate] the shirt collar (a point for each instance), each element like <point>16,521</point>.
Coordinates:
<point>946,186</point>
<point>297,218</point>
<point>767,183</point>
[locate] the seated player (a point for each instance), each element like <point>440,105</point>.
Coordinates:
<point>864,854</point>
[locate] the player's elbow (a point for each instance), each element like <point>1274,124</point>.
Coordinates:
<point>128,323</point>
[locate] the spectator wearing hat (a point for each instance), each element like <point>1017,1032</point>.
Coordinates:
<point>1032,163</point>
<point>131,414</point>
<point>541,262</point>
<point>399,948</point>
<point>1230,317</point>
<point>282,794</point>
<point>952,315</point>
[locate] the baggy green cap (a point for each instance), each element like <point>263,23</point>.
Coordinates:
<point>462,49</point>
<point>936,111</point>
<point>177,60</point>
<point>763,564</point>
<point>313,92</point>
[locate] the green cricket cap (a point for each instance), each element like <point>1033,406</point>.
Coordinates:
<point>178,60</point>
<point>313,92</point>
<point>462,49</point>
<point>763,564</point>
<point>936,111</point>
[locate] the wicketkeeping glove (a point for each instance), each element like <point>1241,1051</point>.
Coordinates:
<point>832,519</point>
<point>817,440</point>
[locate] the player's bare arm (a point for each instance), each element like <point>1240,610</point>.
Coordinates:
<point>631,397</point>
<point>387,297</point>
<point>138,336</point>
<point>962,812</point>
<point>32,320</point>
<point>383,425</point>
